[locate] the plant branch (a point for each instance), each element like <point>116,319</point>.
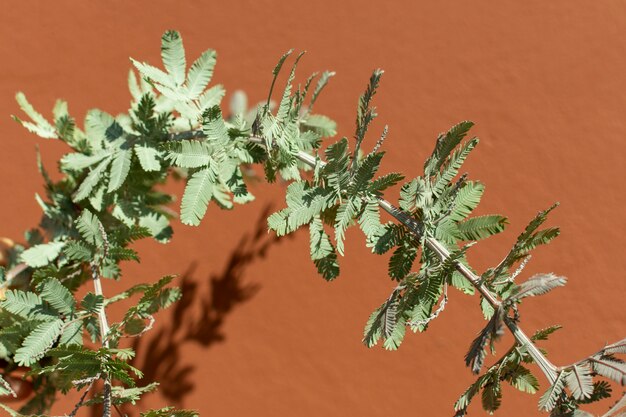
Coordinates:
<point>544,364</point>
<point>547,367</point>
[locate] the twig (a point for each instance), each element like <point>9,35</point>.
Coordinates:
<point>104,323</point>
<point>442,306</point>
<point>82,399</point>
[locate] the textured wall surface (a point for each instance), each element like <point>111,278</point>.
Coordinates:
<point>258,333</point>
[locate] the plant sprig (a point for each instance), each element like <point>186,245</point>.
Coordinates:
<point>109,197</point>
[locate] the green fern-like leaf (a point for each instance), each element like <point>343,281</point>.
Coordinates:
<point>25,304</point>
<point>41,255</point>
<point>200,73</point>
<point>580,382</point>
<point>522,379</point>
<point>40,126</point>
<point>481,227</point>
<point>369,221</point>
<point>537,285</point>
<point>89,227</point>
<point>445,145</point>
<point>345,215</point>
<point>214,127</point>
<point>58,296</point>
<point>148,158</point>
<point>92,179</point>
<point>323,125</point>
<point>119,169</point>
<point>549,399</point>
<point>322,250</point>
<point>38,342</point>
<point>173,55</point>
<point>451,167</point>
<point>466,200</point>
<point>196,198</point>
<point>402,259</point>
<point>190,154</point>
<point>365,173</point>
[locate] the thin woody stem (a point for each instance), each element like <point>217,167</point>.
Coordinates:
<point>104,323</point>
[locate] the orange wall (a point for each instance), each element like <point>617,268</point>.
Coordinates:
<point>258,333</point>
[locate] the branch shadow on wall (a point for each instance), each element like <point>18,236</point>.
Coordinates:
<point>199,317</point>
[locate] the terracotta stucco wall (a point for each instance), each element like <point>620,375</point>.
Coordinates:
<point>258,333</point>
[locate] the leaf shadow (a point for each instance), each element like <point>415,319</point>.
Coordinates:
<point>199,317</point>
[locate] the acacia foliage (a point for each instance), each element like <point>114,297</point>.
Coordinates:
<point>108,197</point>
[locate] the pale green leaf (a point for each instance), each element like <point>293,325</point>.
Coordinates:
<point>196,198</point>
<point>42,254</point>
<point>200,73</point>
<point>173,55</point>
<point>119,169</point>
<point>38,342</point>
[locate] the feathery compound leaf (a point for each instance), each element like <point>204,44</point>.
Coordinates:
<point>41,255</point>
<point>382,183</point>
<point>492,395</point>
<point>58,296</point>
<point>337,166</point>
<point>196,198</point>
<point>89,226</point>
<point>544,333</point>
<point>154,74</point>
<point>413,194</point>
<point>72,334</point>
<point>148,158</point>
<point>617,347</point>
<point>41,127</point>
<point>169,412</point>
<point>579,381</point>
<point>321,83</point>
<point>323,125</point>
<point>200,73</point>
<point>190,154</point>
<point>322,251</point>
<point>119,169</point>
<point>537,285</point>
<point>287,100</point>
<point>365,172</point>
<point>609,367</point>
<point>445,144</point>
<point>303,204</point>
<point>453,165</point>
<point>466,200</point>
<point>549,398</point>
<point>79,161</point>
<point>25,304</point>
<point>214,127</point>
<point>392,235</point>
<point>93,178</point>
<point>394,338</point>
<point>523,380</point>
<point>369,221</point>
<point>382,321</point>
<point>542,237</point>
<point>173,54</point>
<point>365,113</point>
<point>345,214</point>
<point>481,227</point>
<point>402,259</point>
<point>38,342</point>
<point>475,357</point>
